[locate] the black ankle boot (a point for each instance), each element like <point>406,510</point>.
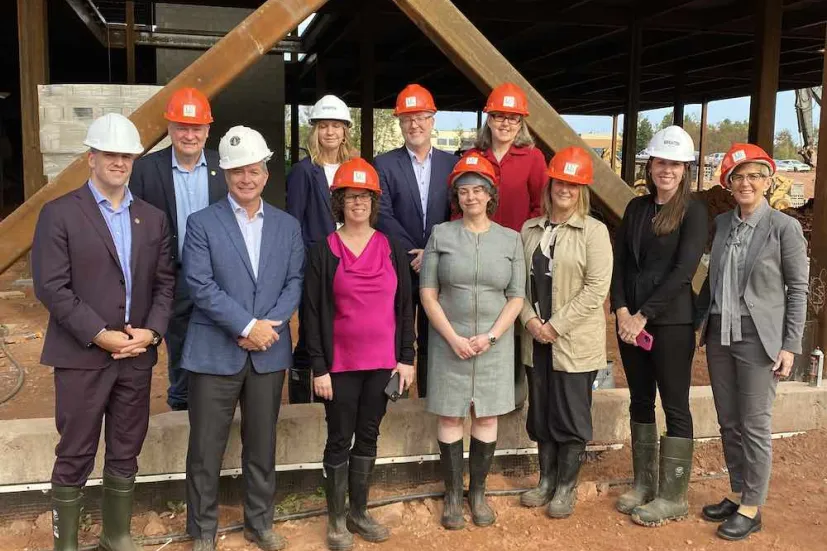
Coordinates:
<point>359,520</point>
<point>451,463</point>
<point>479,459</point>
<point>338,536</point>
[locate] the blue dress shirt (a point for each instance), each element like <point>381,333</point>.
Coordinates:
<point>422,171</point>
<point>192,193</point>
<point>251,233</point>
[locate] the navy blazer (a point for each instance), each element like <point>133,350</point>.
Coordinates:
<point>400,206</point>
<point>152,181</point>
<point>226,294</point>
<point>308,201</point>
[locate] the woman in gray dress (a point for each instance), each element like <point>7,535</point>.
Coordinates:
<point>472,285</point>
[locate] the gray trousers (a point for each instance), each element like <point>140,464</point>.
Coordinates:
<point>743,385</point>
<point>212,403</point>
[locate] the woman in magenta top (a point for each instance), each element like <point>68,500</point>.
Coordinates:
<point>358,319</point>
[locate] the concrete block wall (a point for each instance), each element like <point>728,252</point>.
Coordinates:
<point>67,110</point>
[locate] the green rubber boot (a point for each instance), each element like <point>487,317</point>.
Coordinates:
<point>569,460</point>
<point>645,465</point>
<point>359,520</point>
<point>116,511</point>
<point>66,510</point>
<point>451,463</point>
<point>675,470</point>
<point>479,463</point>
<point>338,536</point>
<point>542,494</point>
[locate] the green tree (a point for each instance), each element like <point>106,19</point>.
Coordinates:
<point>690,123</point>
<point>784,146</point>
<point>645,131</point>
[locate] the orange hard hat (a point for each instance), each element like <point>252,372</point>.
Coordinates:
<point>412,99</point>
<point>507,98</point>
<point>473,162</point>
<point>356,173</point>
<point>189,106</point>
<point>572,164</point>
<point>741,153</point>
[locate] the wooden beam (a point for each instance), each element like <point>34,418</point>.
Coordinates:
<point>632,106</point>
<point>130,41</point>
<point>368,76</point>
<point>702,145</point>
<point>211,73</point>
<point>34,70</point>
<point>478,60</point>
<point>818,238</point>
<point>613,158</point>
<point>765,83</point>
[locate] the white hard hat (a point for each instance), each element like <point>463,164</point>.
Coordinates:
<point>242,146</point>
<point>114,133</point>
<point>330,108</point>
<point>673,144</point>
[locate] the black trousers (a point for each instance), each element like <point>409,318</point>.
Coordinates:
<point>559,403</point>
<point>358,406</point>
<point>300,382</point>
<point>212,403</point>
<point>667,368</point>
<point>83,398</point>
<point>174,338</point>
<point>421,344</point>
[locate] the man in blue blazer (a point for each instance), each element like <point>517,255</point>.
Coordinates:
<point>243,262</point>
<point>414,180</point>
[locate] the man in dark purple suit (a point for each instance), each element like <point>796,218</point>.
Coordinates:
<point>101,265</point>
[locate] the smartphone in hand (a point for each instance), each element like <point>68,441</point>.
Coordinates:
<point>645,340</point>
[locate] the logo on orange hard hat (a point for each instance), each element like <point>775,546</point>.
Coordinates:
<point>741,153</point>
<point>356,173</point>
<point>414,98</point>
<point>507,98</point>
<point>474,163</point>
<point>188,106</point>
<point>572,164</point>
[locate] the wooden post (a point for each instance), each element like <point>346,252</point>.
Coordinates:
<point>34,70</point>
<point>368,64</point>
<point>130,42</point>
<point>486,68</point>
<point>613,161</point>
<point>702,145</point>
<point>677,110</point>
<point>632,105</point>
<point>818,239</point>
<point>211,73</point>
<point>765,73</point>
<point>479,120</point>
<point>294,131</point>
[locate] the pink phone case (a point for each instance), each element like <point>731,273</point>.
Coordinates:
<point>644,340</point>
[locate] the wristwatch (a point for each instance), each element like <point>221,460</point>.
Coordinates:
<point>492,340</point>
<point>156,338</point>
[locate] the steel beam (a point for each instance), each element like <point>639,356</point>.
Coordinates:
<point>211,73</point>
<point>480,61</point>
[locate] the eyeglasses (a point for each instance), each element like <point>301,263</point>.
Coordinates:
<point>752,178</point>
<point>501,117</point>
<point>418,119</point>
<point>360,198</point>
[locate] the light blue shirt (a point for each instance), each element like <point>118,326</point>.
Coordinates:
<point>251,232</point>
<point>192,193</point>
<point>422,171</point>
<point>120,228</point>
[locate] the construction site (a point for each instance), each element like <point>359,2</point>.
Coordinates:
<point>68,62</point>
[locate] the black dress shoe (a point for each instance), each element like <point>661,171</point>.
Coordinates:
<point>738,527</point>
<point>719,512</point>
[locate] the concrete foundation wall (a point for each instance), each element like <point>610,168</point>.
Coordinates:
<point>28,445</point>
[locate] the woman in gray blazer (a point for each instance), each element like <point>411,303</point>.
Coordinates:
<point>755,297</point>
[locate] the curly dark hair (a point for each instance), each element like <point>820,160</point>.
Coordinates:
<point>490,208</point>
<point>337,205</point>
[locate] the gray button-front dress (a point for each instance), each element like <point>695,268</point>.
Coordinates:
<point>475,274</point>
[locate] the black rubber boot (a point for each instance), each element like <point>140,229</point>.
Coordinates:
<point>451,462</point>
<point>66,510</point>
<point>359,520</point>
<point>569,459</point>
<point>116,511</point>
<point>645,465</point>
<point>338,536</point>
<point>479,462</point>
<point>675,470</point>
<point>542,494</point>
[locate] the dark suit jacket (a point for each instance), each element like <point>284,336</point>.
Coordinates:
<point>657,281</point>
<point>400,205</point>
<point>152,181</point>
<point>78,278</point>
<point>308,201</point>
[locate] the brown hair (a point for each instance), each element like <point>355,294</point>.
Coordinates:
<point>337,206</point>
<point>345,152</point>
<point>490,208</point>
<point>670,217</point>
<point>484,140</point>
<point>584,204</point>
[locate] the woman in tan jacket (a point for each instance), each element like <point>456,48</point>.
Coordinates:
<point>569,264</point>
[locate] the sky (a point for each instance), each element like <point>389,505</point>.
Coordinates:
<point>735,109</point>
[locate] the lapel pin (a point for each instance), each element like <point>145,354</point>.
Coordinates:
<point>137,220</point>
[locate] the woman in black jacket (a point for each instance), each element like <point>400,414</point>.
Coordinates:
<point>358,319</point>
<point>657,249</point>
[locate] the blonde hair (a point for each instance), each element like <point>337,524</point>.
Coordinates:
<point>584,203</point>
<point>345,152</point>
<point>484,140</point>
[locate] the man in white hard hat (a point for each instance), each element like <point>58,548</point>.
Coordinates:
<point>243,263</point>
<point>101,266</point>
